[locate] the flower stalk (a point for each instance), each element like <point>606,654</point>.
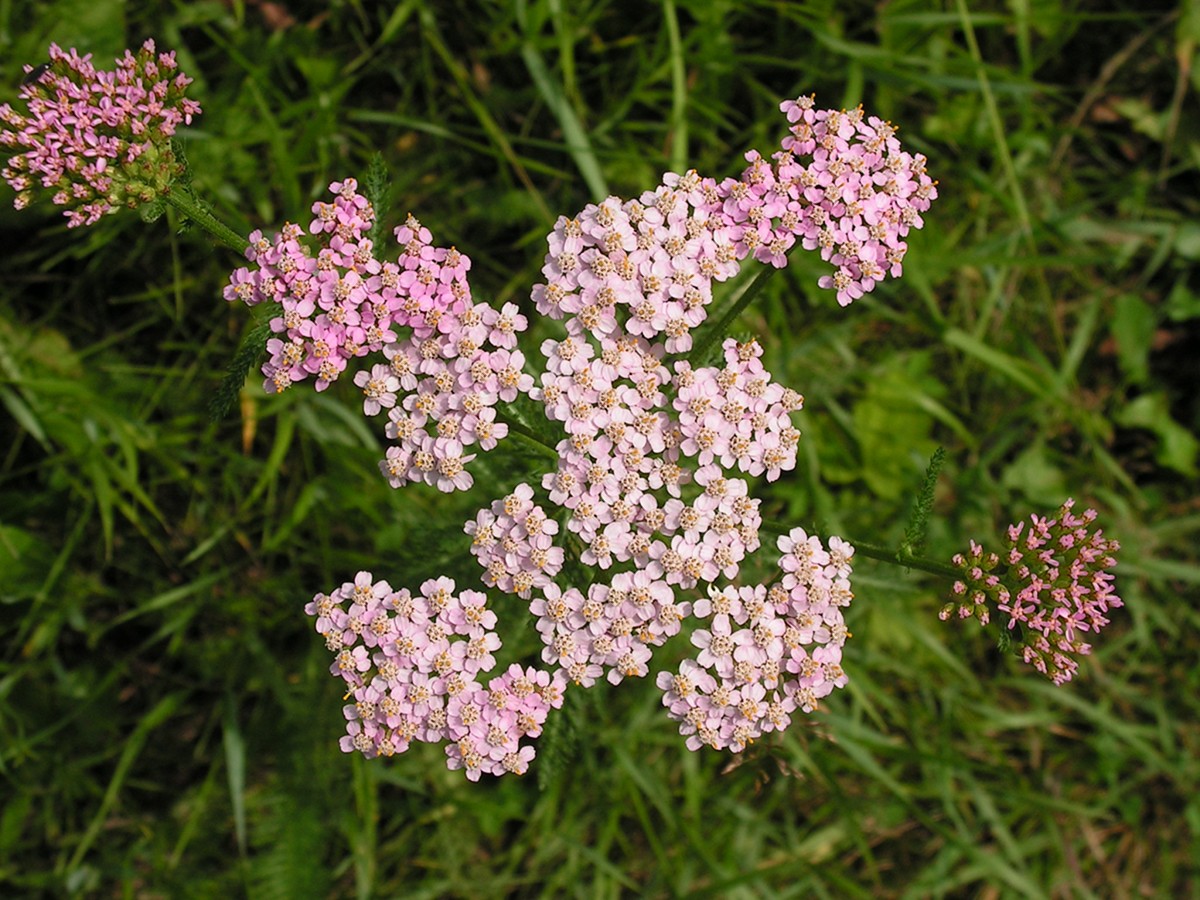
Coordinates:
<point>902,556</point>
<point>185,202</point>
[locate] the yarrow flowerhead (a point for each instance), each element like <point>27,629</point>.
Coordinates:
<point>1051,583</point>
<point>514,542</point>
<point>412,664</point>
<point>841,184</point>
<point>649,481</point>
<point>96,140</point>
<point>448,361</point>
<point>767,651</point>
<point>857,196</point>
<point>653,471</point>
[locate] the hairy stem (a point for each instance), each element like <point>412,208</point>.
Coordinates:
<point>905,557</point>
<point>188,205</point>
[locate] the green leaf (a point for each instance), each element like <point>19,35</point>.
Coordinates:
<point>1019,371</point>
<point>1183,304</point>
<point>24,560</point>
<point>918,523</point>
<point>1144,118</point>
<point>288,837</point>
<point>152,211</point>
<point>575,135</point>
<point>235,767</point>
<point>559,742</point>
<point>1187,241</point>
<point>1035,475</point>
<point>1176,445</point>
<point>24,416</point>
<point>892,427</point>
<point>100,27</point>
<point>1133,329</point>
<point>378,189</point>
<point>151,721</point>
<point>51,350</point>
<point>239,367</point>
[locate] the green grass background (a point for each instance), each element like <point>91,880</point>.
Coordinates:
<point>167,724</point>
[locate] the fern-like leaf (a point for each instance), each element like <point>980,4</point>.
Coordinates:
<point>557,745</point>
<point>252,348</point>
<point>918,522</point>
<point>288,859</point>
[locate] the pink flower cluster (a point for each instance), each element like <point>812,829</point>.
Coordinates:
<point>454,379</point>
<point>654,259</point>
<point>858,195</point>
<point>767,652</point>
<point>96,140</point>
<point>623,469</point>
<point>340,302</point>
<point>413,664</point>
<point>646,471</point>
<point>514,542</point>
<point>454,365</point>
<point>650,263</point>
<point>1052,583</point>
<point>611,629</point>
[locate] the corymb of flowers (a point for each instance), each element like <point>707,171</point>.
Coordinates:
<point>648,493</point>
<point>651,465</point>
<point>94,140</point>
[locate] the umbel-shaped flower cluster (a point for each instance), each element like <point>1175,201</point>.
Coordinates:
<point>651,480</point>
<point>840,184</point>
<point>1051,584</point>
<point>412,665</point>
<point>653,466</point>
<point>767,651</point>
<point>96,140</point>
<point>447,360</point>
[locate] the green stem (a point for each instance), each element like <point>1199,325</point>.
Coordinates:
<point>905,557</point>
<point>187,204</point>
<point>715,332</point>
<point>679,122</point>
<point>901,556</point>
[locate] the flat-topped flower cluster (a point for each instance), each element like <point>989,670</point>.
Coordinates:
<point>413,664</point>
<point>768,651</point>
<point>863,192</point>
<point>651,480</point>
<point>96,140</point>
<point>631,454</point>
<point>1051,583</point>
<point>633,278</point>
<point>653,468</point>
<point>447,361</point>
<point>656,257</point>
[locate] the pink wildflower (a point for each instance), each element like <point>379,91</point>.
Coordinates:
<point>767,652</point>
<point>1052,584</point>
<point>449,362</point>
<point>412,664</point>
<point>96,140</point>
